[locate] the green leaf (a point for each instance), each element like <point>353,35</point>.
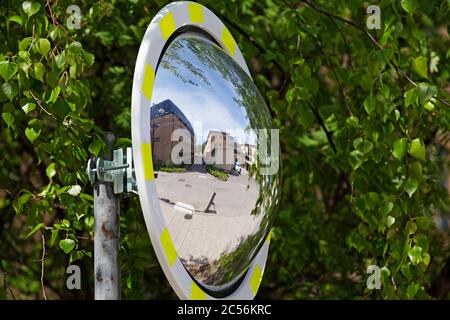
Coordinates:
<point>385,272</point>
<point>28,107</point>
<point>67,245</point>
<point>50,171</point>
<point>424,222</point>
<point>406,270</point>
<point>425,92</point>
<point>87,253</point>
<point>55,33</point>
<point>420,66</point>
<point>415,254</point>
<point>10,90</point>
<point>306,116</point>
<point>75,49</point>
<point>43,46</point>
<point>52,79</point>
<point>16,19</point>
<point>369,104</point>
<point>415,170</point>
<point>426,258</point>
<point>31,134</point>
<point>412,289</point>
<point>354,240</point>
<point>74,190</point>
<point>87,197</point>
<point>73,71</point>
<point>411,97</point>
<point>35,229</point>
<point>25,43</point>
<point>65,223</point>
<point>54,95</point>
<point>410,186</point>
<point>39,71</point>
<point>422,241</point>
<point>411,228</point>
<point>8,118</point>
<point>89,58</point>
<point>95,147</point>
<point>72,106</point>
<point>390,221</point>
<point>386,207</point>
<point>399,148</point>
<point>417,149</point>
<point>30,8</point>
<point>429,106</point>
<point>365,146</point>
<point>8,70</point>
<point>20,202</point>
<point>54,236</point>
<point>60,60</point>
<point>129,282</point>
<point>123,143</point>
<point>356,159</point>
<point>409,6</point>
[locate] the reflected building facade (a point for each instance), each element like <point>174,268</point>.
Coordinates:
<point>222,151</point>
<point>249,151</point>
<point>166,117</point>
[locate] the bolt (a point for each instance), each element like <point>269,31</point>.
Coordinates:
<point>104,169</point>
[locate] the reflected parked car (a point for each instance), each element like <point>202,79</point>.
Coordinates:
<point>237,167</point>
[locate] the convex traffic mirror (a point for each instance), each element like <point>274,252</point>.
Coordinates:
<point>206,157</point>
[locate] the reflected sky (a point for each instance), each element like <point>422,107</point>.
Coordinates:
<point>212,103</point>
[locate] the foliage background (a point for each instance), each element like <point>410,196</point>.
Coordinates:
<point>364,119</point>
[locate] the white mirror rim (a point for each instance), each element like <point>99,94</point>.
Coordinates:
<point>164,24</point>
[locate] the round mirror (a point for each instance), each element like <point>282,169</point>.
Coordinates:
<point>207,121</point>
<point>205,154</point>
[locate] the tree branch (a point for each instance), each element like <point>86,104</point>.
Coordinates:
<point>253,41</point>
<point>332,16</point>
<point>322,124</point>
<point>43,265</point>
<point>5,283</point>
<point>372,38</point>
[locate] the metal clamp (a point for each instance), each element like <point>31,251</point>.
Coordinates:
<point>119,171</point>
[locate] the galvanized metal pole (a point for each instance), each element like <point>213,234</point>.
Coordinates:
<point>106,235</point>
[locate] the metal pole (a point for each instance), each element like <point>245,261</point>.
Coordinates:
<point>106,235</point>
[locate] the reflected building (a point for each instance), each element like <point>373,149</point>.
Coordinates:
<point>249,151</point>
<point>166,117</point>
<point>222,151</point>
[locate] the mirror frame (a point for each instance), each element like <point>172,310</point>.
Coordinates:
<point>165,23</point>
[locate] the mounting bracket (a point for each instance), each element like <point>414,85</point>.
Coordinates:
<point>119,171</point>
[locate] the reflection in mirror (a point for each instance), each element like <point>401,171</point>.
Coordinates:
<point>205,116</point>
